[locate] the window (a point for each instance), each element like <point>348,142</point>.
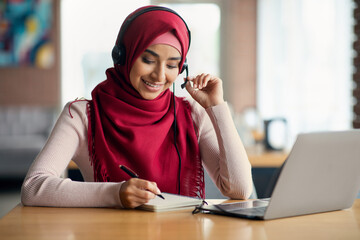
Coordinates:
<point>88,33</point>
<point>305,63</point>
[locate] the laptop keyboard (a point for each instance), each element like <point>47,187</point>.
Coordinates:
<point>250,208</point>
<point>257,211</point>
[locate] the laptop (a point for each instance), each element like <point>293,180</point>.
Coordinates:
<point>321,174</point>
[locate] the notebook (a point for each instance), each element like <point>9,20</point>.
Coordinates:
<point>172,202</point>
<point>321,174</point>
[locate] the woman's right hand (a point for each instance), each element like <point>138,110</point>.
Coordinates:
<point>136,192</point>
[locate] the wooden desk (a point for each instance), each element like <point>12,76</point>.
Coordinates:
<point>101,223</point>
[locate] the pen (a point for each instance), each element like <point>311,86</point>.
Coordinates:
<point>134,175</point>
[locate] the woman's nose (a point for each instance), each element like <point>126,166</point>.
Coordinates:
<point>159,74</point>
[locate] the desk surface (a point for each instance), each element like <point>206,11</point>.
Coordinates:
<point>101,223</point>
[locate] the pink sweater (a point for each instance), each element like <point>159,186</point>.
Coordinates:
<point>222,153</point>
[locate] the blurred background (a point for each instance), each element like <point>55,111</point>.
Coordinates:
<point>288,66</point>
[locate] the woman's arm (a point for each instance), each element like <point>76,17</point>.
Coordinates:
<point>222,151</point>
<point>44,186</point>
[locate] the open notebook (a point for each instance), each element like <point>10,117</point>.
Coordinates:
<point>171,202</point>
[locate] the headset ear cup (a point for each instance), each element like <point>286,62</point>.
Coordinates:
<point>115,54</point>
<point>122,55</point>
<point>118,55</point>
<point>184,66</point>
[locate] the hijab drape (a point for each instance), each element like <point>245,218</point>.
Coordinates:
<point>125,129</point>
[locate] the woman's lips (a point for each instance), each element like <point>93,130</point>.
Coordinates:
<point>152,86</point>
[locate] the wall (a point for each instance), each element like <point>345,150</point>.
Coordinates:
<point>238,51</point>
<point>30,86</point>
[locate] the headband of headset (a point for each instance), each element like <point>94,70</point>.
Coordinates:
<point>119,52</point>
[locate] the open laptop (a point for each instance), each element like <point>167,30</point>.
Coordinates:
<point>321,173</point>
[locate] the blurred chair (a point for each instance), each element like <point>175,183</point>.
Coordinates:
<point>23,133</point>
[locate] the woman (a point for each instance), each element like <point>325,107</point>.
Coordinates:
<point>130,121</point>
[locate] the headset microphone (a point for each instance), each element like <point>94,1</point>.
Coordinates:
<point>186,67</point>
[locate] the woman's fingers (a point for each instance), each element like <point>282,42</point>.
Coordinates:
<point>206,90</point>
<point>204,79</point>
<point>201,80</point>
<point>136,192</point>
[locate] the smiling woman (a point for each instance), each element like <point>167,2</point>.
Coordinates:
<point>155,70</point>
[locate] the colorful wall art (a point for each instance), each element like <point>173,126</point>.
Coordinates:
<point>25,33</point>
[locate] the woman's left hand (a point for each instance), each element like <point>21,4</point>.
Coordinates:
<point>206,90</point>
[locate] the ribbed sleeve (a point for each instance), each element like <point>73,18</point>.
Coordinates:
<point>44,186</point>
<point>222,151</point>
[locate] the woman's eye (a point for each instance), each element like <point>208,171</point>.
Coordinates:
<point>147,60</point>
<point>172,66</point>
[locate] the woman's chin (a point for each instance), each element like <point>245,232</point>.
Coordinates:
<point>150,96</point>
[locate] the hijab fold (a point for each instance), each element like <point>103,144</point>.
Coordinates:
<point>125,129</point>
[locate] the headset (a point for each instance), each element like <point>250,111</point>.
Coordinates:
<point>119,53</point>
<point>119,57</point>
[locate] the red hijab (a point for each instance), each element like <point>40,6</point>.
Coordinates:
<point>125,129</point>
